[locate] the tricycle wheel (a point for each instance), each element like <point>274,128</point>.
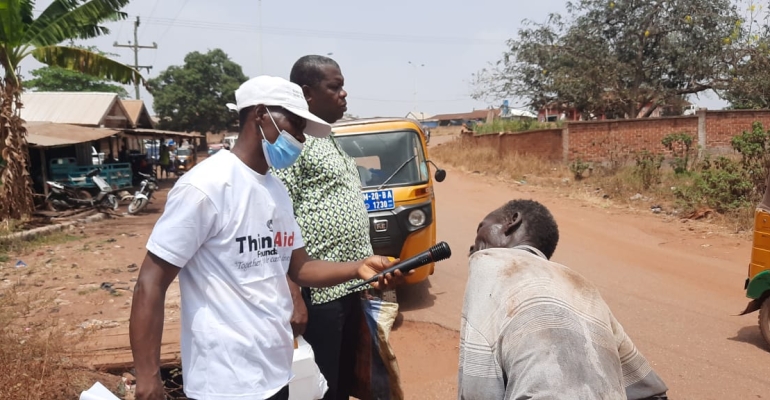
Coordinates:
<point>764,320</point>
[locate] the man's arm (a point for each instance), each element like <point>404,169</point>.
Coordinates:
<point>299,315</point>
<point>480,377</point>
<point>146,324</point>
<point>315,273</point>
<point>291,178</point>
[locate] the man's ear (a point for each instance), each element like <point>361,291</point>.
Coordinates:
<point>260,112</point>
<point>307,92</point>
<point>513,224</point>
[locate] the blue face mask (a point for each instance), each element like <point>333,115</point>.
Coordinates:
<point>284,152</point>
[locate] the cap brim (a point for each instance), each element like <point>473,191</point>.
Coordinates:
<point>231,107</point>
<point>316,127</point>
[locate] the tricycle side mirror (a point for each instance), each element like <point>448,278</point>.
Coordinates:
<point>440,175</point>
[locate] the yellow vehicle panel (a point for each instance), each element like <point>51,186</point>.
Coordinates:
<point>398,239</point>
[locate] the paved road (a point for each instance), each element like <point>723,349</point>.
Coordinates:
<point>676,287</point>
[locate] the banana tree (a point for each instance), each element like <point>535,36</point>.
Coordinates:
<point>22,35</point>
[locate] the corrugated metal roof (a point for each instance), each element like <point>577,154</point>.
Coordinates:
<point>47,134</point>
<point>157,132</point>
<point>477,114</point>
<point>80,108</point>
<point>135,108</point>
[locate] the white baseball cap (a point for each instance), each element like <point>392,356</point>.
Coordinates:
<point>275,91</point>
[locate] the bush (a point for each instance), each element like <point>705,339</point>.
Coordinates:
<point>578,168</point>
<point>680,145</point>
<point>647,168</point>
<point>722,185</point>
<point>755,156</point>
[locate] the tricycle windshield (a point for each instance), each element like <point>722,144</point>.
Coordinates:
<point>182,152</point>
<point>393,158</point>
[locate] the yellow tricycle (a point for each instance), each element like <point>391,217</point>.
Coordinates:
<point>397,188</point>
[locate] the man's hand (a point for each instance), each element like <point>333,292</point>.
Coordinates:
<point>299,315</point>
<point>150,388</point>
<point>376,264</point>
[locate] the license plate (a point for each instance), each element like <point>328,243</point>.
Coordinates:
<point>379,200</point>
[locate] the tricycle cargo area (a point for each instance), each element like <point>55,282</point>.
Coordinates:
<point>65,170</point>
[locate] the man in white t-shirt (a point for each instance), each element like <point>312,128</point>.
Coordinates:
<point>229,232</point>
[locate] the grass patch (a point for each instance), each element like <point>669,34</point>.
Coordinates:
<point>19,247</point>
<point>501,125</point>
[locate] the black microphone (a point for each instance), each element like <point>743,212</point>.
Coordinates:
<point>436,253</point>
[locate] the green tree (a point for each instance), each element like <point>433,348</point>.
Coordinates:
<point>56,79</point>
<point>615,56</point>
<point>749,85</point>
<point>192,97</point>
<point>23,35</point>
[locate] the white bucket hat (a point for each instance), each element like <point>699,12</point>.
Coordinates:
<point>275,91</point>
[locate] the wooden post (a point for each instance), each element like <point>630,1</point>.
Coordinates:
<point>195,150</point>
<point>44,169</point>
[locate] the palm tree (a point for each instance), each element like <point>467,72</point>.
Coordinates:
<point>22,35</point>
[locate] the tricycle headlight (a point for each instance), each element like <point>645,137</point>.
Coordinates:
<point>417,218</point>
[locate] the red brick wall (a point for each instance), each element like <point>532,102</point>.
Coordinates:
<point>721,126</point>
<point>599,141</point>
<point>546,143</point>
<point>617,139</point>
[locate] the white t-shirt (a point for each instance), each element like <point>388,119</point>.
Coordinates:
<point>232,231</point>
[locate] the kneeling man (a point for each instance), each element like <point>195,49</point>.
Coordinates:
<point>534,329</point>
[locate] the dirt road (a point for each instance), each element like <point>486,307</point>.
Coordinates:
<point>674,286</point>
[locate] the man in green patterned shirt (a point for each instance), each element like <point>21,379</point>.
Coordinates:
<point>325,188</point>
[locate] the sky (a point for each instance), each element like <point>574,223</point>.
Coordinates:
<point>397,56</point>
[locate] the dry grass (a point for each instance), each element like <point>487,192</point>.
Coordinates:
<point>467,155</point>
<point>34,346</point>
<point>508,126</point>
<point>33,350</point>
<point>617,186</point>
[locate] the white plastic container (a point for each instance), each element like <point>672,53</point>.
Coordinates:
<point>308,382</point>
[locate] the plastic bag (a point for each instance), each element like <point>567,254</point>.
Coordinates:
<point>98,392</point>
<point>308,382</point>
<point>376,370</point>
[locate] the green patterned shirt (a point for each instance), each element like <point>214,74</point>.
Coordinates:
<point>325,188</point>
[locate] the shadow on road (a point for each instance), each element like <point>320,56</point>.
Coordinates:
<point>751,335</point>
<point>415,297</point>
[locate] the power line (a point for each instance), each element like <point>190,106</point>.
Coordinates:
<point>136,48</point>
<point>169,26</point>
<point>282,31</point>
<point>152,13</point>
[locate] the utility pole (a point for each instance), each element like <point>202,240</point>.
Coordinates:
<point>414,93</point>
<point>135,45</point>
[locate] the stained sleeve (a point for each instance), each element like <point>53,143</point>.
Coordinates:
<point>480,376</point>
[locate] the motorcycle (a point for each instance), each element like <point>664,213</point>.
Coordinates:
<point>64,197</point>
<point>142,196</point>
